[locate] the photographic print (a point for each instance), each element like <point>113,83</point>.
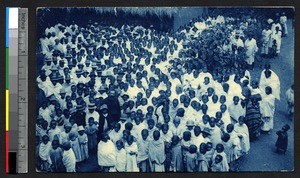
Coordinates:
<point>165,89</point>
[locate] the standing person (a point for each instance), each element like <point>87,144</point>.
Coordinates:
<point>44,153</point>
<point>269,78</point>
<point>253,118</point>
<point>106,153</point>
<point>191,159</point>
<point>156,154</point>
<point>282,140</point>
<point>276,36</point>
<point>114,108</point>
<point>56,155</point>
<point>266,38</point>
<point>283,21</point>
<point>202,160</point>
<point>91,132</point>
<point>143,152</point>
<point>177,159</point>
<point>131,149</point>
<point>267,110</point>
<point>251,49</point>
<point>120,157</point>
<point>69,159</point>
<point>242,132</point>
<point>290,101</point>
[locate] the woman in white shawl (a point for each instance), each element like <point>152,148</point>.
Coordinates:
<point>242,132</point>
<point>267,109</point>
<point>251,49</point>
<point>156,153</point>
<point>106,153</point>
<point>269,78</point>
<point>131,149</point>
<point>69,159</point>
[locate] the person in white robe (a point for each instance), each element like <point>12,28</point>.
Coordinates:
<point>106,153</point>
<point>157,157</point>
<point>276,36</point>
<point>69,159</point>
<point>266,38</point>
<point>283,22</point>
<point>267,109</point>
<point>131,149</point>
<point>242,132</point>
<point>269,78</point>
<point>251,49</point>
<point>290,101</point>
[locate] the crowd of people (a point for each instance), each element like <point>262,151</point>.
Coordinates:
<point>141,100</point>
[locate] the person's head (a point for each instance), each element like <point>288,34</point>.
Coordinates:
<point>104,137</point>
<point>145,134</point>
<point>156,135</point>
<point>215,98</point>
<point>165,128</point>
<point>193,149</point>
<point>225,87</point>
<point>91,121</point>
<point>225,137</point>
<point>186,136</point>
<point>44,124</point>
<point>210,91</point>
<point>66,146</point>
<point>209,146</point>
<point>197,130</point>
<point>55,144</point>
<point>175,140</point>
<point>219,148</point>
<point>205,119</point>
<point>53,124</point>
<point>212,122</point>
<point>202,148</point>
<point>223,108</point>
<point>45,139</point>
<point>222,99</point>
<point>204,99</point>
<point>268,90</point>
<point>128,126</point>
<point>229,128</point>
<point>218,159</point>
<point>130,140</point>
<point>285,128</point>
<point>236,100</point>
<point>150,123</point>
<point>119,144</point>
<point>206,80</point>
<point>241,120</point>
<point>268,73</point>
<point>180,112</point>
<point>117,127</point>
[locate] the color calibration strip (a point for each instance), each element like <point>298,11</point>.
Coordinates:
<point>16,90</point>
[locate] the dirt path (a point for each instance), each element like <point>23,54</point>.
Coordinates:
<point>261,156</point>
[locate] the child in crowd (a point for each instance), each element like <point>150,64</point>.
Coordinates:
<point>69,159</point>
<point>143,152</point>
<point>282,140</point>
<point>83,143</point>
<point>202,160</point>
<point>220,151</point>
<point>191,159</point>
<point>56,154</point>
<point>91,132</point>
<point>217,164</point>
<point>157,156</point>
<point>131,152</point>
<point>120,157</point>
<point>44,153</point>
<point>185,145</point>
<point>177,160</point>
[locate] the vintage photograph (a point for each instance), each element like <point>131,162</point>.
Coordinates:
<point>165,89</point>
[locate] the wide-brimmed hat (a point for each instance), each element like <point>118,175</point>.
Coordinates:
<point>79,107</point>
<point>62,90</point>
<point>190,123</point>
<point>91,106</point>
<point>123,117</point>
<point>206,130</point>
<point>80,128</point>
<point>104,106</point>
<point>78,71</point>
